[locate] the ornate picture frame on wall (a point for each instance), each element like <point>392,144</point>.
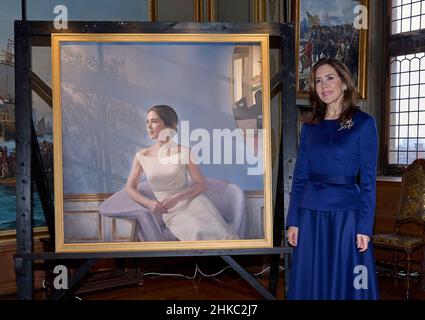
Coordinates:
<point>328,29</point>
<point>103,88</point>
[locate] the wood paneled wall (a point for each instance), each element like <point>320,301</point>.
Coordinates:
<point>387,201</point>
<point>7,273</point>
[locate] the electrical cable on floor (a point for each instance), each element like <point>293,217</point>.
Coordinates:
<point>169,275</point>
<point>261,272</point>
<point>264,270</point>
<point>212,275</point>
<point>197,269</point>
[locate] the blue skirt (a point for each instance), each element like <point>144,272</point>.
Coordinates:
<point>327,264</point>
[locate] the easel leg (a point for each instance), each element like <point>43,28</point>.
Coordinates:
<point>287,262</point>
<point>82,271</point>
<point>249,278</point>
<point>23,272</point>
<point>23,116</point>
<point>274,274</point>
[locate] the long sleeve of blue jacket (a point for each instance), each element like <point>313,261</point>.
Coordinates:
<point>300,178</point>
<point>368,146</point>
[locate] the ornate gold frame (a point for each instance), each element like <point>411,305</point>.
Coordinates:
<point>57,40</point>
<point>363,50</point>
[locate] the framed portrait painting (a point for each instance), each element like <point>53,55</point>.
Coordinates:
<point>331,29</point>
<point>162,142</point>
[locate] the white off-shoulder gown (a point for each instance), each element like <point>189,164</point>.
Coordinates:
<point>189,220</point>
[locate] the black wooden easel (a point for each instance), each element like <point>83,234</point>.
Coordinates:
<point>29,166</point>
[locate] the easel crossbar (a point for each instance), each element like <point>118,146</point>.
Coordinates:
<point>146,254</point>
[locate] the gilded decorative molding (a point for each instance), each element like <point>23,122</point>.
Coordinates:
<point>87,197</point>
<point>198,10</point>
<point>254,193</point>
<point>211,10</point>
<point>153,10</point>
<point>259,10</point>
<point>9,236</point>
<point>263,11</point>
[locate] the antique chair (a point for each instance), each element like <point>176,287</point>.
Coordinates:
<point>227,197</point>
<point>411,210</point>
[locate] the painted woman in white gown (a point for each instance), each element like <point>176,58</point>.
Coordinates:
<point>186,211</point>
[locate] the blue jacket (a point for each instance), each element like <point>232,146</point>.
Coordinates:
<point>329,160</point>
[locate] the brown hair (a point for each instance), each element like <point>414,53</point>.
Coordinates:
<point>167,114</point>
<point>349,98</point>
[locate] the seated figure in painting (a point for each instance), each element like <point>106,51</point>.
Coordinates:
<point>184,208</point>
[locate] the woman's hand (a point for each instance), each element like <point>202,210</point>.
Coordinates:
<point>292,235</point>
<point>362,242</point>
<point>155,206</point>
<point>171,201</point>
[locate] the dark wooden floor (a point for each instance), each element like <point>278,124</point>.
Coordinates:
<point>226,286</point>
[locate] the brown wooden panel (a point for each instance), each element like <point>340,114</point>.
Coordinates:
<point>7,274</point>
<point>387,201</point>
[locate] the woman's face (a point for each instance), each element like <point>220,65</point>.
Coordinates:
<point>154,124</point>
<point>329,85</point>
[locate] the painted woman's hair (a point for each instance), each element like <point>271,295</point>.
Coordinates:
<point>167,114</point>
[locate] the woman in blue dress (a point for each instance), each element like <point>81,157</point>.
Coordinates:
<point>330,217</point>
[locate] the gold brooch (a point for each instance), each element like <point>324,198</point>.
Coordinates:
<point>346,125</point>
